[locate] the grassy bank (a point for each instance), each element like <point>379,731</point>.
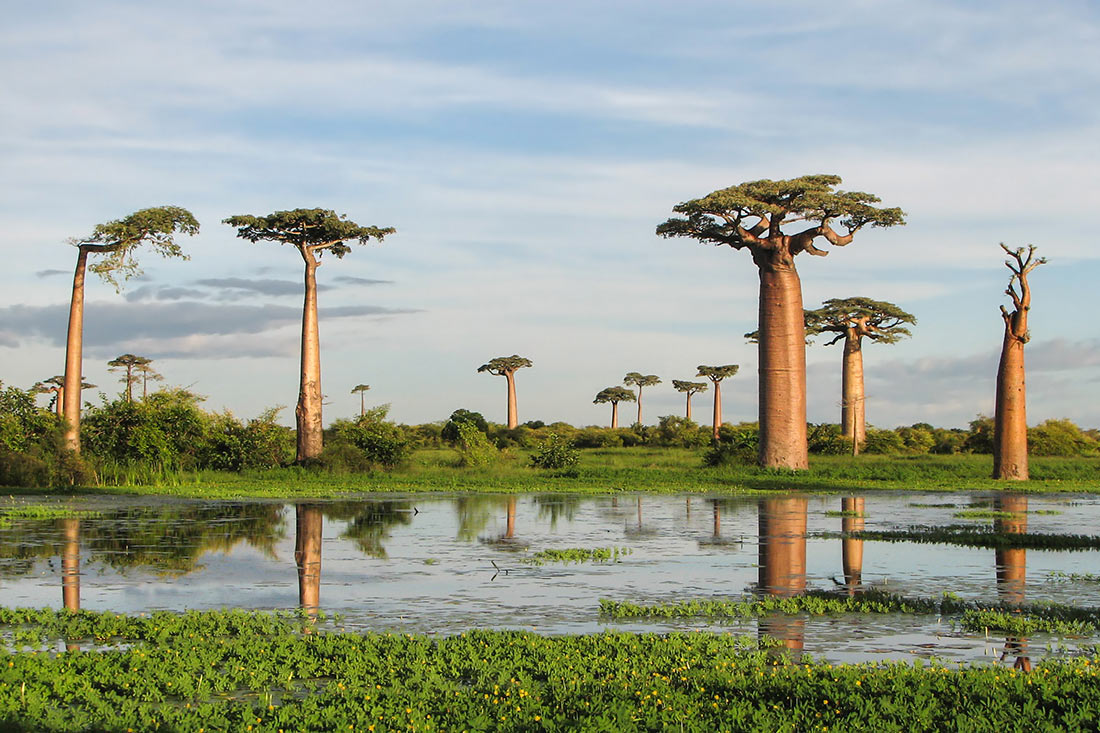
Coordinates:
<point>663,470</point>
<point>257,672</point>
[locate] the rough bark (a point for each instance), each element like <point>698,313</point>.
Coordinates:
<point>853,420</point>
<point>852,549</point>
<point>513,418</point>
<point>307,413</point>
<point>309,522</point>
<point>74,360</point>
<point>70,564</point>
<point>782,561</point>
<point>782,383</point>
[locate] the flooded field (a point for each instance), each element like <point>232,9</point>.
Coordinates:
<point>443,564</point>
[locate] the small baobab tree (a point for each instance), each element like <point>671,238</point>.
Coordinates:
<point>614,395</point>
<point>689,388</point>
<point>114,243</point>
<point>313,232</point>
<point>852,320</point>
<point>716,374</point>
<point>362,390</point>
<point>506,366</point>
<point>128,363</point>
<point>56,385</point>
<point>147,374</point>
<point>640,380</point>
<point>1010,420</point>
<point>752,216</point>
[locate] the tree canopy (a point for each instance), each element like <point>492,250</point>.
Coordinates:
<point>504,365</point>
<point>117,239</point>
<point>877,320</point>
<point>360,388</point>
<point>681,385</point>
<point>641,380</point>
<point>311,230</point>
<point>614,395</point>
<point>752,215</point>
<point>717,373</point>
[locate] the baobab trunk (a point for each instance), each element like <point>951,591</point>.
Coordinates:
<point>614,415</point>
<point>74,366</point>
<point>639,404</point>
<point>307,555</point>
<point>782,350</point>
<point>59,403</point>
<point>1010,423</point>
<point>716,419</point>
<point>853,422</point>
<point>308,411</point>
<point>513,418</point>
<point>687,415</point>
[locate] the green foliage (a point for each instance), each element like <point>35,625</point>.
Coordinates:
<point>883,442</point>
<point>640,380</point>
<point>382,443</point>
<point>826,439</point>
<point>450,431</point>
<point>676,431</point>
<point>968,535</point>
<point>315,230</point>
<point>598,438</point>
<point>1060,438</point>
<point>474,449</point>
<point>166,430</point>
<point>717,373</point>
<point>259,444</point>
<point>736,446</point>
<point>22,424</point>
<point>118,239</point>
<point>980,438</point>
<point>814,603</point>
<point>614,395</point>
<point>556,452</point>
<point>577,555</point>
<point>880,321</point>
<point>502,365</point>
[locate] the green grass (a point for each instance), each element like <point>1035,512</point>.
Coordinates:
<point>970,536</point>
<point>661,470</point>
<point>218,671</point>
<point>984,514</point>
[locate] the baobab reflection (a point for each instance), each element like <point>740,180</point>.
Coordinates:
<point>782,562</point>
<point>309,522</point>
<point>1012,572</point>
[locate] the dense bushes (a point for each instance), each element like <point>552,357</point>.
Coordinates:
<point>381,443</point>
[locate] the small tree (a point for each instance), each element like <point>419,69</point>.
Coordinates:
<point>362,390</point>
<point>313,232</point>
<point>506,366</point>
<point>752,216</point>
<point>689,388</point>
<point>852,320</point>
<point>1010,420</point>
<point>115,241</point>
<point>716,374</point>
<point>56,385</point>
<point>128,363</point>
<point>614,395</point>
<point>640,380</point>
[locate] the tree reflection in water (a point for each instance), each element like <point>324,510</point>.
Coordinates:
<point>1012,571</point>
<point>851,550</point>
<point>370,523</point>
<point>308,526</point>
<point>782,561</point>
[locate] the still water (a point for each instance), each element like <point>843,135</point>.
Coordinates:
<point>440,564</point>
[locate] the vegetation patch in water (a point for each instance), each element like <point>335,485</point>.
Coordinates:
<point>578,555</point>
<point>984,514</point>
<point>846,513</point>
<point>814,603</point>
<point>1059,576</point>
<point>1024,624</point>
<point>971,536</point>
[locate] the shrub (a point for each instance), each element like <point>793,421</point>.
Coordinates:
<point>450,431</point>
<point>382,443</point>
<point>883,442</point>
<point>474,449</point>
<point>597,438</point>
<point>825,439</point>
<point>678,432</point>
<point>1059,438</point>
<point>555,453</point>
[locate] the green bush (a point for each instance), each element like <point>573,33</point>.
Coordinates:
<point>1059,438</point>
<point>598,438</point>
<point>678,432</point>
<point>883,442</point>
<point>450,431</point>
<point>825,439</point>
<point>382,443</point>
<point>233,446</point>
<point>474,449</point>
<point>555,453</point>
<point>167,429</point>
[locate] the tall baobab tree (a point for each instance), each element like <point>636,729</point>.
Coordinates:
<point>640,380</point>
<point>751,216</point>
<point>1010,422</point>
<point>852,320</point>
<point>362,390</point>
<point>148,374</point>
<point>614,395</point>
<point>716,374</point>
<point>128,363</point>
<point>313,232</point>
<point>689,388</point>
<point>506,366</point>
<point>115,242</point>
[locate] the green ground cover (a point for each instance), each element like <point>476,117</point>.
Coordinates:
<point>221,671</point>
<point>966,535</point>
<point>663,470</point>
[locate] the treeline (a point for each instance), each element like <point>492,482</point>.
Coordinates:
<point>140,440</point>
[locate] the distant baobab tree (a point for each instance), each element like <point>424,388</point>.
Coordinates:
<point>1010,421</point>
<point>614,395</point>
<point>147,374</point>
<point>506,366</point>
<point>56,385</point>
<point>716,374</point>
<point>689,388</point>
<point>362,390</point>
<point>751,216</point>
<point>852,320</point>
<point>116,242</point>
<point>313,232</point>
<point>128,363</point>
<point>640,380</point>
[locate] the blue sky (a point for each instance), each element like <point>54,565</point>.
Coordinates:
<point>525,152</point>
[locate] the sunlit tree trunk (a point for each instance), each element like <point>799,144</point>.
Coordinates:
<point>853,420</point>
<point>59,403</point>
<point>782,561</point>
<point>782,384</point>
<point>513,417</point>
<point>70,564</point>
<point>74,344</point>
<point>687,414</point>
<point>307,555</point>
<point>639,420</point>
<point>614,415</point>
<point>851,549</point>
<point>716,418</point>
<point>308,411</point>
<point>1010,422</point>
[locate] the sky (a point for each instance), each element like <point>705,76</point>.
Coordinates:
<point>525,152</point>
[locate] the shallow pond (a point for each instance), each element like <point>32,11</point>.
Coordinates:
<point>445,563</point>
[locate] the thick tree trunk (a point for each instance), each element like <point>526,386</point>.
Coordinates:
<point>639,404</point>
<point>851,550</point>
<point>70,564</point>
<point>688,413</point>
<point>1010,423</point>
<point>782,351</point>
<point>716,418</point>
<point>513,418</point>
<point>614,415</point>
<point>782,564</point>
<point>59,403</point>
<point>309,523</point>
<point>853,422</point>
<point>308,411</point>
<point>74,361</point>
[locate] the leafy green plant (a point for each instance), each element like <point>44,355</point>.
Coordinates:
<point>555,453</point>
<point>578,555</point>
<point>474,449</point>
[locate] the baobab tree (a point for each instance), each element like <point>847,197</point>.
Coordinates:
<point>128,363</point>
<point>313,232</point>
<point>640,380</point>
<point>716,374</point>
<point>116,242</point>
<point>852,320</point>
<point>752,216</point>
<point>148,374</point>
<point>56,385</point>
<point>689,388</point>
<point>362,390</point>
<point>1010,421</point>
<point>614,395</point>
<point>506,366</point>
